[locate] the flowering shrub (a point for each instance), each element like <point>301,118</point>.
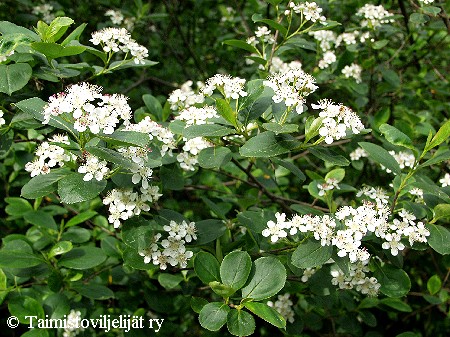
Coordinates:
<point>300,187</point>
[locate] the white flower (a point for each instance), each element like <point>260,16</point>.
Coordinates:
<point>445,181</point>
<point>373,16</point>
<point>197,116</point>
<point>358,153</point>
<point>393,243</point>
<point>229,87</point>
<point>116,16</point>
<point>73,326</point>
<point>329,57</point>
<point>325,37</point>
<point>48,156</point>
<point>93,168</point>
<point>45,11</point>
<point>2,120</point>
<point>353,71</point>
<point>276,230</point>
<point>284,306</point>
<point>328,185</point>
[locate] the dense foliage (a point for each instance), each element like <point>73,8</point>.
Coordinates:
<point>215,168</point>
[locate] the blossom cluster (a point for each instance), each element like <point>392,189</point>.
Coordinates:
<point>353,71</point>
<point>358,153</point>
<point>197,116</point>
<point>404,159</point>
<point>374,16</point>
<point>4,57</point>
<point>328,185</point>
<point>87,108</point>
<point>310,11</point>
<point>185,96</point>
<point>45,11</point>
<point>356,278</point>
<point>113,40</point>
<point>278,65</point>
<point>337,119</point>
<point>48,156</point>
<point>291,87</point>
<point>192,147</point>
<point>117,18</point>
<point>93,167</point>
<point>228,86</point>
<point>72,328</point>
<point>346,228</point>
<point>445,181</point>
<point>171,250</point>
<point>283,305</point>
<point>125,203</point>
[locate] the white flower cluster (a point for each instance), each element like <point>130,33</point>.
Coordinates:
<point>445,181</point>
<point>45,12</point>
<point>185,96</point>
<point>229,87</point>
<point>328,58</point>
<point>278,65</point>
<point>404,159</point>
<point>47,156</point>
<point>265,35</point>
<point>310,10</point>
<point>307,273</point>
<point>337,119</point>
<point>88,109</point>
<point>192,147</point>
<point>155,130</point>
<point>347,227</point>
<point>2,120</point>
<point>172,249</point>
<point>139,156</point>
<point>348,38</point>
<point>426,2</point>
<point>196,116</point>
<point>118,39</point>
<point>123,204</point>
<point>72,327</point>
<point>291,87</point>
<point>93,167</point>
<point>353,71</point>
<point>356,278</point>
<point>328,185</point>
<point>117,18</point>
<point>283,305</point>
<point>373,16</point>
<point>325,37</point>
<point>358,153</point>
<point>418,194</point>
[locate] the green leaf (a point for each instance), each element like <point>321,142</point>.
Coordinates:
<point>22,306</point>
<point>57,28</point>
<point>291,167</point>
<point>241,44</point>
<point>328,24</point>
<point>395,136</point>
<point>312,127</point>
<point>440,136</point>
<point>169,281</point>
<point>197,303</point>
<point>80,218</point>
<point>277,128</point>
<point>207,130</point>
<point>7,28</point>
<point>336,174</point>
<point>43,184</point>
<point>214,157</point>
<point>394,282</point>
<point>94,291</point>
<point>431,10</point>
<point>380,44</point>
<point>235,268</point>
<point>118,65</point>
<point>209,230</point>
<point>439,239</point>
<point>153,105</point>
<point>206,267</point>
<point>17,206</point>
<point>74,35</point>
<point>418,18</point>
<point>14,77</point>
<point>213,316</point>
<point>441,211</point>
<point>83,258</point>
<point>127,138</point>
<point>224,109</point>
<point>434,284</point>
<point>381,156</point>
<point>40,219</point>
<point>397,304</point>
<point>240,323</point>
<point>329,156</point>
<point>267,313</point>
<point>111,156</point>
<point>271,23</point>
<point>440,155</point>
<point>267,277</point>
<point>17,259</point>
<point>221,289</point>
<point>60,248</point>
<point>311,254</point>
<point>267,144</point>
<point>73,188</point>
<point>53,50</point>
<point>391,77</point>
<point>171,177</point>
